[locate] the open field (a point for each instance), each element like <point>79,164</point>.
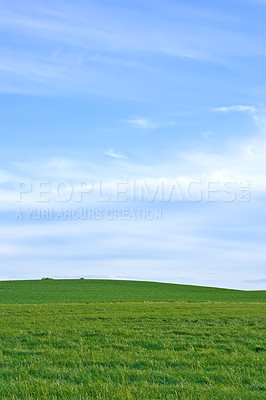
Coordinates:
<point>91,291</point>
<point>130,349</point>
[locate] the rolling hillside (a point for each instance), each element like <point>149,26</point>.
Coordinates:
<point>94,291</point>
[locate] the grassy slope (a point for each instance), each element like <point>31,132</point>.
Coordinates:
<point>164,348</point>
<point>132,351</point>
<point>86,291</point>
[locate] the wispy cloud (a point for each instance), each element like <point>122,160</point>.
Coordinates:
<point>113,154</point>
<point>78,40</point>
<point>60,163</point>
<point>113,28</point>
<point>237,108</point>
<point>143,123</point>
<point>245,162</point>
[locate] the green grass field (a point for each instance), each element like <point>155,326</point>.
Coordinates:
<point>97,291</point>
<point>85,339</point>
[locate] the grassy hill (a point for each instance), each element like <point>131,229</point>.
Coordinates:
<point>89,290</point>
<point>113,340</point>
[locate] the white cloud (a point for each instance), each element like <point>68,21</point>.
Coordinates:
<point>114,154</point>
<point>60,163</point>
<point>237,108</point>
<point>243,161</point>
<point>143,123</point>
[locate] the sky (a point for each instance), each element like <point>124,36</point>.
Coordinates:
<point>133,141</point>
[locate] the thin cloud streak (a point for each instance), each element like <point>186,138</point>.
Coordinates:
<point>89,35</point>
<point>238,108</point>
<point>113,154</point>
<point>143,123</point>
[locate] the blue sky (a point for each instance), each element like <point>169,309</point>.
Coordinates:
<point>134,91</point>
